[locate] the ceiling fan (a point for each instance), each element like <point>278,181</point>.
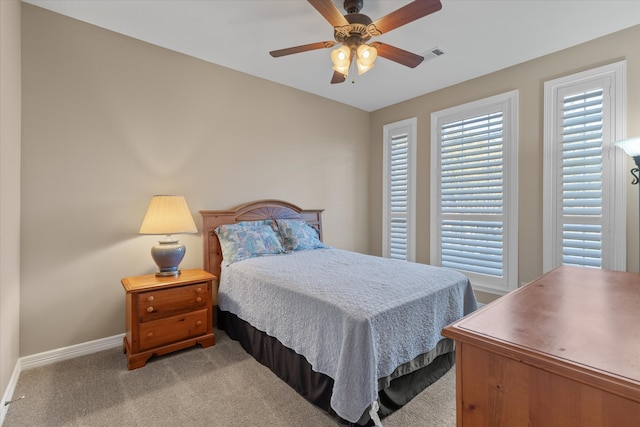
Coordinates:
<point>353,30</point>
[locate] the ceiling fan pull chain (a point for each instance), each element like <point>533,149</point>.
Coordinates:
<point>354,70</point>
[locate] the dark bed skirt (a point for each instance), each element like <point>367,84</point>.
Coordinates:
<point>316,387</point>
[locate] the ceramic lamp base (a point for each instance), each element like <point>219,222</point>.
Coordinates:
<point>168,255</point>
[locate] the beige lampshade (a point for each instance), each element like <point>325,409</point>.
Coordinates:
<point>168,215</point>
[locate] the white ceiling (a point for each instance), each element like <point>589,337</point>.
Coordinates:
<point>477,36</point>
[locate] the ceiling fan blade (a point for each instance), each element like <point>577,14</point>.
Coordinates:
<point>330,12</point>
<point>409,13</point>
<point>398,55</point>
<point>338,77</point>
<point>301,48</point>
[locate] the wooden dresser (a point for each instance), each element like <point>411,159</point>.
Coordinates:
<point>164,314</point>
<point>561,351</point>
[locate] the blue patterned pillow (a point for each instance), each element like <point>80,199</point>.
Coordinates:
<point>296,235</point>
<point>247,240</point>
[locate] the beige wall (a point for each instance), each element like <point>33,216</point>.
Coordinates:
<point>9,189</point>
<point>109,121</point>
<point>528,78</point>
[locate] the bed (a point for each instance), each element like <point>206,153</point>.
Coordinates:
<point>356,335</point>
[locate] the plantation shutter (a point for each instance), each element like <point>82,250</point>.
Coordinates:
<point>472,225</point>
<point>584,191</point>
<point>398,215</point>
<point>581,178</point>
<point>399,195</point>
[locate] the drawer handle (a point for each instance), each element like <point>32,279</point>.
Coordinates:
<point>150,298</point>
<point>198,299</point>
<point>198,290</point>
<point>199,322</point>
<point>149,309</point>
<point>150,334</point>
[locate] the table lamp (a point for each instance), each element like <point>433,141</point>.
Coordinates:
<point>168,215</point>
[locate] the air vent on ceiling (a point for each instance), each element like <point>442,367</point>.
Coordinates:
<point>433,53</point>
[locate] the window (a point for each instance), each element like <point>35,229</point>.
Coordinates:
<point>398,218</point>
<point>584,199</point>
<point>474,218</point>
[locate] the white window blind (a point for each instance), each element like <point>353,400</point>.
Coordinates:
<point>399,200</point>
<point>473,192</point>
<point>581,176</point>
<point>399,194</point>
<point>584,199</point>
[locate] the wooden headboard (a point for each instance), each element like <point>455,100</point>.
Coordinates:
<point>253,211</point>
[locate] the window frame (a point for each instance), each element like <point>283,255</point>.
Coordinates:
<point>389,130</point>
<point>614,194</point>
<point>508,103</point>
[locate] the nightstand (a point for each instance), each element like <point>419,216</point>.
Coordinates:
<point>165,314</point>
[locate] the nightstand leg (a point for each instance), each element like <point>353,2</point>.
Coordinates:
<point>207,341</point>
<point>139,361</point>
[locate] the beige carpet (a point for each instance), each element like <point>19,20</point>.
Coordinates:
<point>218,386</point>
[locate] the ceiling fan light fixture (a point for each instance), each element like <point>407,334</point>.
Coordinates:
<point>342,70</point>
<point>363,68</point>
<point>367,54</point>
<point>366,57</point>
<point>341,59</point>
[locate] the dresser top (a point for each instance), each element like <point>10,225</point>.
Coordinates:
<point>580,316</point>
<point>151,281</point>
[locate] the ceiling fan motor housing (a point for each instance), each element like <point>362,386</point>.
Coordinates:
<point>353,6</point>
<point>359,30</point>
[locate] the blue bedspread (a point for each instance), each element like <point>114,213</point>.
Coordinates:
<point>354,317</point>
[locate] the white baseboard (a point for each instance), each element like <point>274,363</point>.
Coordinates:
<point>64,353</point>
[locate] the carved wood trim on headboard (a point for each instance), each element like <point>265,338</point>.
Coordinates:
<point>253,211</point>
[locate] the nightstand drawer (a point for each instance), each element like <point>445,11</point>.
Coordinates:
<point>166,302</point>
<point>172,329</point>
